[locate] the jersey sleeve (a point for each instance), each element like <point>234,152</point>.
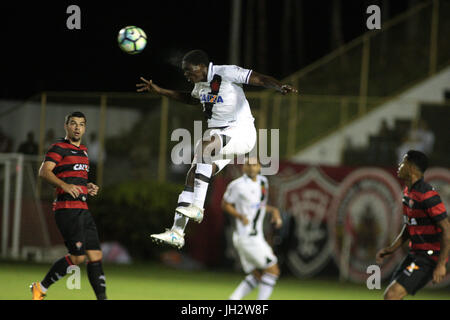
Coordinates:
<point>434,206</point>
<point>196,92</point>
<point>237,74</point>
<point>54,154</point>
<point>231,193</point>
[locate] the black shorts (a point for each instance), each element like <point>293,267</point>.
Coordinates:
<point>414,272</point>
<point>78,229</point>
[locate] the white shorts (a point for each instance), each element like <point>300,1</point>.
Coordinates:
<point>254,253</point>
<point>241,140</point>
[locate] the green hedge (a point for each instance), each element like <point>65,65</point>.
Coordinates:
<point>129,212</point>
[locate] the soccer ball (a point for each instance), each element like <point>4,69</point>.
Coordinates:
<point>132,39</point>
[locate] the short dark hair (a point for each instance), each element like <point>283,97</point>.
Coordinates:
<point>75,114</point>
<point>418,158</point>
<point>248,157</point>
<point>196,57</point>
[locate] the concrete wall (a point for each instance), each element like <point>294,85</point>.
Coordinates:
<point>405,106</point>
<point>26,117</point>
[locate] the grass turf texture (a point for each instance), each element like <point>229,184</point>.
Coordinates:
<point>157,282</point>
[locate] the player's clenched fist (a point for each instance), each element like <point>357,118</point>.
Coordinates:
<point>92,189</point>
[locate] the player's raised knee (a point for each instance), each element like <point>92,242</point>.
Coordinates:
<point>275,270</point>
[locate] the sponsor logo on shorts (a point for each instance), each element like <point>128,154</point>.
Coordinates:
<point>410,269</point>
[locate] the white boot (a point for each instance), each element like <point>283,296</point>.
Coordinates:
<point>192,212</point>
<point>170,237</point>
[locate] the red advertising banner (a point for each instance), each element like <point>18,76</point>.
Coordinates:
<point>341,215</point>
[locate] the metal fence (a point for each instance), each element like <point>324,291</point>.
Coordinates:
<point>335,90</point>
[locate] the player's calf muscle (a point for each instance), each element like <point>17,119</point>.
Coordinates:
<point>395,292</point>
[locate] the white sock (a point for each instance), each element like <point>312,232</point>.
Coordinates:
<point>44,289</point>
<point>244,288</point>
<point>203,174</point>
<point>180,221</point>
<point>266,286</point>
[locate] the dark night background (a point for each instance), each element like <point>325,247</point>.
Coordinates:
<point>40,53</point>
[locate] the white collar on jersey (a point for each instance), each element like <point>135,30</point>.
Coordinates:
<point>246,177</point>
<point>209,77</point>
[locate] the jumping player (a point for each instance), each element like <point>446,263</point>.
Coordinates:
<point>231,128</point>
<point>245,199</point>
<point>66,166</point>
<point>426,227</point>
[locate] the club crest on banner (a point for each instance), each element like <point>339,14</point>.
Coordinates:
<point>307,197</point>
<point>365,217</point>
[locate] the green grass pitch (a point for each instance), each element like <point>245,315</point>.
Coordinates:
<point>157,282</point>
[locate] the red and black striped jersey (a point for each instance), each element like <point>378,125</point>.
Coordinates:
<point>422,210</point>
<point>72,166</point>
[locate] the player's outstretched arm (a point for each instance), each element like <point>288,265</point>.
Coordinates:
<point>398,242</point>
<point>148,85</point>
<point>258,79</point>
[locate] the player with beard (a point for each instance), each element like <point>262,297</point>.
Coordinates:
<point>66,166</point>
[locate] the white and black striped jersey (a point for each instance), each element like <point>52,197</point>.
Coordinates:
<point>250,199</point>
<point>229,106</point>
